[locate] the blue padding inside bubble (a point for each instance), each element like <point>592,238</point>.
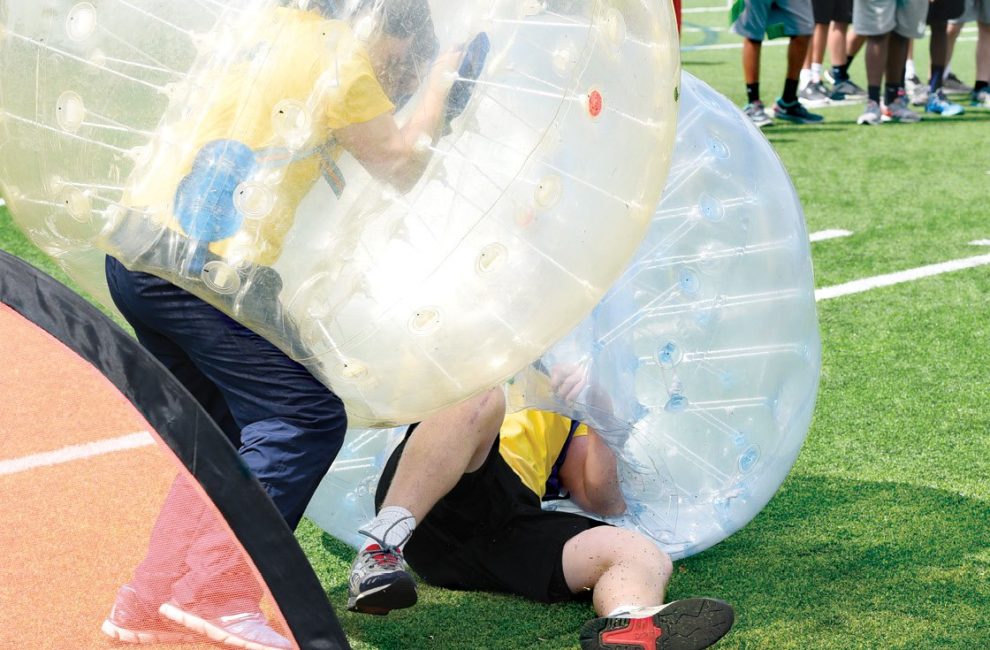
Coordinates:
<point>204,201</point>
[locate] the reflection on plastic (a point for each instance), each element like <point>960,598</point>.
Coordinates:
<point>699,367</point>
<point>205,142</point>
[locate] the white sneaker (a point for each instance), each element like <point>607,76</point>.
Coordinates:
<point>248,630</point>
<point>898,111</point>
<point>871,114</point>
<point>756,112</point>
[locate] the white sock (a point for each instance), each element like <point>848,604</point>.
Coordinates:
<point>635,611</point>
<point>816,73</point>
<point>804,77</point>
<point>948,71</point>
<point>393,526</point>
<point>909,70</point>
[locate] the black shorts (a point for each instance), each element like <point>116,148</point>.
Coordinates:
<point>941,11</point>
<point>490,534</point>
<point>841,11</point>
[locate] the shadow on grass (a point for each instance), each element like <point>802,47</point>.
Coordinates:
<point>830,563</point>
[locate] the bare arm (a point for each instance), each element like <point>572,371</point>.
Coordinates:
<point>589,473</point>
<point>394,154</point>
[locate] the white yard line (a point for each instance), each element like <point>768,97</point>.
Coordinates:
<point>980,242</point>
<point>705,10</point>
<point>75,452</point>
<point>859,286</point>
<point>780,42</point>
<point>823,235</point>
<point>144,439</point>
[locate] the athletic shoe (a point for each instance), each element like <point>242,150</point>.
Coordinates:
<point>132,620</point>
<point>871,114</point>
<point>955,85</point>
<point>689,624</point>
<point>795,112</point>
<point>849,90</point>
<point>898,111</point>
<point>758,114</point>
<point>917,91</point>
<point>938,104</point>
<point>814,94</point>
<point>380,582</point>
<point>981,98</point>
<point>248,630</point>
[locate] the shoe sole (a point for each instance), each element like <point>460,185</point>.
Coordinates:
<point>944,113</point>
<point>815,103</point>
<point>869,121</point>
<point>206,628</point>
<point>146,637</point>
<point>796,120</point>
<point>382,600</point>
<point>690,624</point>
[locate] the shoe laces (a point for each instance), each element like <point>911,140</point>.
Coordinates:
<point>385,555</point>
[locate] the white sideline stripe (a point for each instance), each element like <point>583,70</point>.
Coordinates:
<point>823,235</point>
<point>75,452</point>
<point>780,42</point>
<point>704,10</point>
<point>144,439</point>
<point>859,286</point>
<point>980,242</point>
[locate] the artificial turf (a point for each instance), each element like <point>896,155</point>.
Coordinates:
<point>879,537</point>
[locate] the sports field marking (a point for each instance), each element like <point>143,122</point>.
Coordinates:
<point>859,286</point>
<point>704,10</point>
<point>774,43</point>
<point>2,203</point>
<point>75,452</point>
<point>823,235</point>
<point>980,242</point>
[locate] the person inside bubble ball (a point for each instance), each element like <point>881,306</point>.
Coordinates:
<point>474,522</point>
<point>302,90</point>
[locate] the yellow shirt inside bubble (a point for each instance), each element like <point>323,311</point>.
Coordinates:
<point>288,80</point>
<point>530,442</point>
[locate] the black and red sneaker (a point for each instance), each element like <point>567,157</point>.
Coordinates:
<point>380,582</point>
<point>689,624</point>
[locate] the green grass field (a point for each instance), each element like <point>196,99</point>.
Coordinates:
<point>880,537</point>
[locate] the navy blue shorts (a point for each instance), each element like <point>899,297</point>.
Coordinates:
<point>286,425</point>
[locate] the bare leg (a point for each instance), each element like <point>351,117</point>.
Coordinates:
<point>854,43</point>
<point>952,33</point>
<point>622,567</point>
<point>751,60</point>
<point>876,58</point>
<point>837,43</point>
<point>442,449</point>
<point>897,50</point>
<point>796,50</point>
<point>936,52</point>
<point>983,52</point>
<point>819,40</point>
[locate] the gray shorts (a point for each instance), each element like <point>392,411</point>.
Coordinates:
<point>877,17</point>
<point>978,10</point>
<point>796,17</point>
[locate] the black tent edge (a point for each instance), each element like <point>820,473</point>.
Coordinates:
<point>191,435</point>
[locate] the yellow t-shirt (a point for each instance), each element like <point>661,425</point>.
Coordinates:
<point>295,78</point>
<point>531,441</point>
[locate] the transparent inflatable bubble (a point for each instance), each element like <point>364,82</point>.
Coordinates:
<point>700,366</point>
<point>412,197</point>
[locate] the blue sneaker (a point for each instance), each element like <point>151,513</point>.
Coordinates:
<point>940,105</point>
<point>794,112</point>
